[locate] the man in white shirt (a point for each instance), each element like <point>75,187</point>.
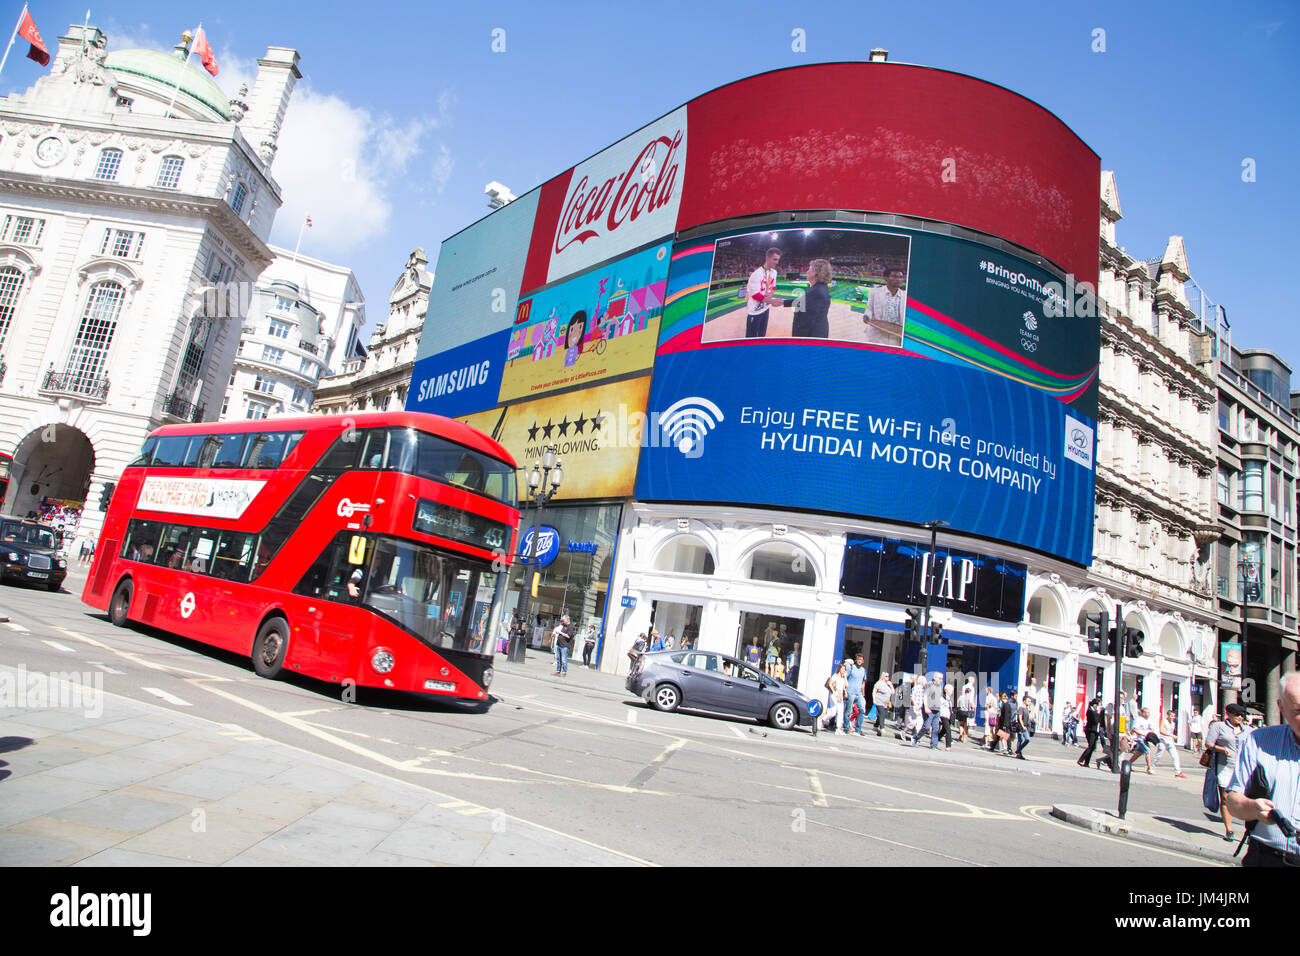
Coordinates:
<point>887,303</point>
<point>759,294</point>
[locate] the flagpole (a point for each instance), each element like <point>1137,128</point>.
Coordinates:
<point>4,58</point>
<point>181,74</point>
<point>301,230</point>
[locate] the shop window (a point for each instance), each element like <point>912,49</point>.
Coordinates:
<point>781,564</point>
<point>686,554</point>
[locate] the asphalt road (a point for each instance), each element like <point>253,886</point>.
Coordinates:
<point>596,763</point>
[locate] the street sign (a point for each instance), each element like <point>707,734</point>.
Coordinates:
<point>628,601</point>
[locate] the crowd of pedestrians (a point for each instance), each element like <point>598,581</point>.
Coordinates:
<point>929,710</point>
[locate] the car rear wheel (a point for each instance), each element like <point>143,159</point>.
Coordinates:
<point>783,716</point>
<point>667,698</point>
<point>270,646</point>
<point>120,606</point>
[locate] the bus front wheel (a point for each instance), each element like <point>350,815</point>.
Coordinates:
<point>270,646</point>
<point>120,606</point>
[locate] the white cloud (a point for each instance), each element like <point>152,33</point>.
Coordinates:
<point>340,164</point>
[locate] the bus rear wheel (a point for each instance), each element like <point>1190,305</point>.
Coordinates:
<point>120,606</point>
<point>270,646</point>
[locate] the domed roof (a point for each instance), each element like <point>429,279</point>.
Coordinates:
<point>163,67</point>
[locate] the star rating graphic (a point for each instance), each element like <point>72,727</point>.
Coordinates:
<point>561,428</point>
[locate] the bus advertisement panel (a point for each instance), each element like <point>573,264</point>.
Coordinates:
<point>369,547</point>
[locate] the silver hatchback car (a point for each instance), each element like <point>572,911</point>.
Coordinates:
<point>706,680</point>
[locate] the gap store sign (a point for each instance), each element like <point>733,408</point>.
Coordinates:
<point>894,570</point>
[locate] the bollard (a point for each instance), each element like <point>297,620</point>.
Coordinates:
<point>1125,776</point>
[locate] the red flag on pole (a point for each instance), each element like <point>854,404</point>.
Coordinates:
<point>27,30</point>
<point>204,52</point>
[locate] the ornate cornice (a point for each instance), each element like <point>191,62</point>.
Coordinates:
<point>148,200</point>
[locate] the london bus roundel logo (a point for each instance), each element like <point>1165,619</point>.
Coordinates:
<point>187,604</point>
<point>348,508</point>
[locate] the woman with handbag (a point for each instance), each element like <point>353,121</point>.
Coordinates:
<point>836,687</point>
<point>1221,742</point>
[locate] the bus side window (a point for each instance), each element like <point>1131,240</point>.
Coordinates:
<point>170,452</point>
<point>231,454</point>
<point>207,451</point>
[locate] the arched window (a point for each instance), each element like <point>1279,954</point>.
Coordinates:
<point>781,564</point>
<point>89,356</point>
<point>1044,610</point>
<point>110,160</point>
<point>169,173</point>
<point>11,287</point>
<point>686,554</point>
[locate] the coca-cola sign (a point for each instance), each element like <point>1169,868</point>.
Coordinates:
<point>621,198</point>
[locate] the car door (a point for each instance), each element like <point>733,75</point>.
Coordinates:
<point>741,689</point>
<point>699,673</point>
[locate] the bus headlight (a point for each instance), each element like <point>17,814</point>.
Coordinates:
<point>13,555</point>
<point>487,677</point>
<point>382,661</point>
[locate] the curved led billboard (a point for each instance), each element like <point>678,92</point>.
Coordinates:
<point>881,372</point>
<point>874,137</point>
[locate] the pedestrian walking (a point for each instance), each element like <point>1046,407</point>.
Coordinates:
<point>1265,787</point>
<point>637,650</point>
<point>1024,720</point>
<point>1142,737</point>
<point>1168,743</point>
<point>931,704</point>
<point>1005,718</point>
<point>945,717</point>
<point>656,640</point>
<point>857,676</point>
<point>562,642</point>
<point>589,645</point>
<point>965,709</point>
<point>881,697</point>
<point>836,689</point>
<point>916,712</point>
<point>1069,725</point>
<point>1223,738</point>
<point>1194,728</point>
<point>990,716</point>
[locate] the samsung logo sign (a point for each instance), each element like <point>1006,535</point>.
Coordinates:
<point>449,383</point>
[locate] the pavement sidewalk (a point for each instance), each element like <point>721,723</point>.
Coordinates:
<point>109,781</point>
<point>1202,838</point>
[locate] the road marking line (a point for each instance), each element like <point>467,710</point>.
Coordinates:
<point>313,710</point>
<point>819,795</point>
<point>59,647</point>
<point>454,804</point>
<point>106,669</point>
<point>906,846</point>
<point>737,731</point>
<point>401,765</point>
<point>472,811</point>
<point>170,698</point>
<point>15,626</point>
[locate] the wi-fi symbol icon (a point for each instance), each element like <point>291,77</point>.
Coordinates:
<point>686,421</point>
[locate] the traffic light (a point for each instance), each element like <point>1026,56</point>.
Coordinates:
<point>1133,642</point>
<point>106,495</point>
<point>1098,635</point>
<point>912,624</point>
<point>936,633</point>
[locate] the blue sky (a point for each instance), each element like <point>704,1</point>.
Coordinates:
<point>405,112</point>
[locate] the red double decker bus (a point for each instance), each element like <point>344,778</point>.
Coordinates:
<point>370,548</point>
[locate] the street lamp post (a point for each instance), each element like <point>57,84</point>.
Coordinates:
<point>546,472</point>
<point>934,527</point>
